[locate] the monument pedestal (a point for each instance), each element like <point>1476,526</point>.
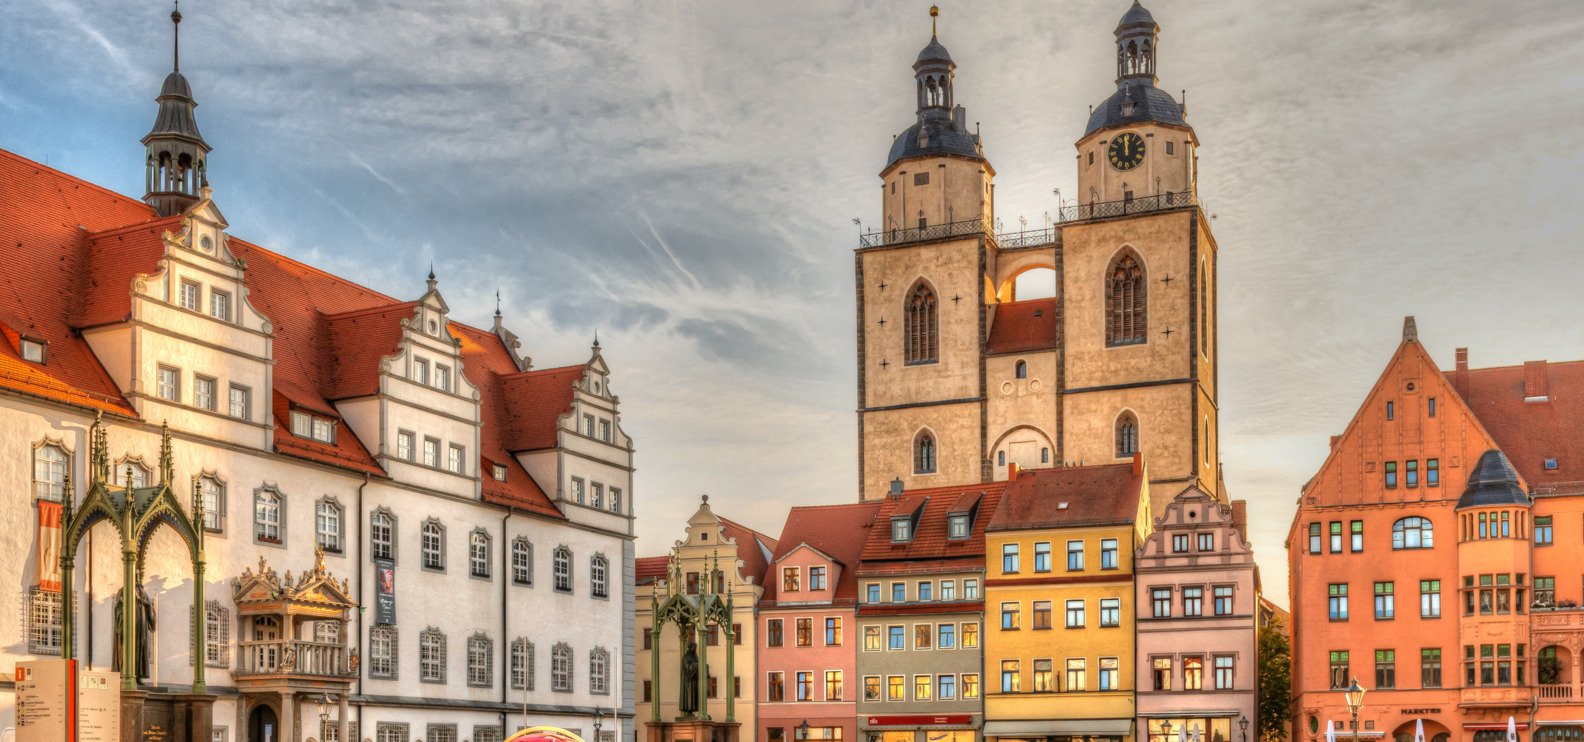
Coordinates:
<point>693,730</point>
<point>157,716</point>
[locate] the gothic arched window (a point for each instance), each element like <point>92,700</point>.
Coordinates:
<point>924,453</point>
<point>1204,312</point>
<point>1127,435</point>
<point>1127,319</point>
<point>1021,370</point>
<point>920,327</point>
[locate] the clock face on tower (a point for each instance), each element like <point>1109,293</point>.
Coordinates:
<point>1127,151</point>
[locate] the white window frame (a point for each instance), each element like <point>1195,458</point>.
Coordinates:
<point>431,452</point>
<point>522,561</point>
<point>421,371</point>
<point>189,294</point>
<point>240,401</point>
<point>205,391</point>
<point>431,539</point>
<point>406,445</point>
<point>330,525</point>
<point>456,457</point>
<point>479,554</point>
<point>220,304</point>
<point>264,526</point>
<point>51,463</point>
<point>387,530</point>
<point>214,512</point>
<point>480,661</point>
<point>432,656</point>
<point>561,568</point>
<point>168,383</point>
<point>599,576</point>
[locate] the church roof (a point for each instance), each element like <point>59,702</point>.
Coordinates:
<point>1149,103</point>
<point>1022,326</point>
<point>933,135</point>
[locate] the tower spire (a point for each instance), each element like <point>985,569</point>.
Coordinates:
<point>176,19</point>
<point>934,13</point>
<point>176,155</point>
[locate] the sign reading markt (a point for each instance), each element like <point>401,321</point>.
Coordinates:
<point>44,703</point>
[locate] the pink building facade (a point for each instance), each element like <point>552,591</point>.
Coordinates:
<point>1198,604</point>
<point>807,678</point>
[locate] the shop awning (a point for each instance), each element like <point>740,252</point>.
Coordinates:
<point>1211,714</point>
<point>1047,727</point>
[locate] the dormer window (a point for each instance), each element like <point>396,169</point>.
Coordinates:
<point>901,530</point>
<point>957,526</point>
<point>500,472</point>
<point>33,350</point>
<point>1551,463</point>
<point>318,428</point>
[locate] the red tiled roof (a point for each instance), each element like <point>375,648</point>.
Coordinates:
<point>929,546</point>
<point>539,399</point>
<point>1100,494</point>
<point>356,342</point>
<point>838,531</point>
<point>646,569</point>
<point>1023,326</point>
<point>487,363</point>
<point>753,547</point>
<point>1531,432</point>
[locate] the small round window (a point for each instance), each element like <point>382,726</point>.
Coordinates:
<point>434,327</point>
<point>206,243</point>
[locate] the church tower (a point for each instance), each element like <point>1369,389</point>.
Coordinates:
<point>177,155</point>
<point>961,379</point>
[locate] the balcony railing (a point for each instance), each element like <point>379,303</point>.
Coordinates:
<point>1028,238</point>
<point>1556,692</point>
<point>920,234</point>
<point>293,658</point>
<point>1125,207</point>
<point>1032,237</point>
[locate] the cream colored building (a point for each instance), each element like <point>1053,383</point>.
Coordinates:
<point>961,379</point>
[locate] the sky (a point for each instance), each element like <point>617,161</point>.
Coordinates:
<point>681,178</point>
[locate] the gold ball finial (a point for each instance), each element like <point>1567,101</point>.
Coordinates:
<point>934,10</point>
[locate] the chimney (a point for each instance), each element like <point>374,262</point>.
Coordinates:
<point>896,488</point>
<point>1460,375</point>
<point>1334,440</point>
<point>1535,387</point>
<point>1012,471</point>
<point>1138,463</point>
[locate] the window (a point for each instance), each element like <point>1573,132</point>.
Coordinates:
<point>948,590</point>
<point>775,682</point>
<point>1075,614</point>
<point>44,621</point>
<point>1339,669</point>
<point>1413,532</point>
<point>919,325</point>
<point>442,377</point>
<point>1550,463</point>
<point>33,350</point>
<point>1314,538</point>
<point>404,445</point>
<point>1169,147</point>
<point>901,530</point>
<point>1544,592</point>
<point>382,530</point>
<point>1009,558</point>
<point>190,293</point>
<point>1429,598</point>
<point>432,538</point>
<point>588,425</point>
<point>805,632</point>
<point>1336,537</point>
<point>522,561</point>
<point>1126,317</point>
<point>805,686</point>
<point>970,589</point>
<point>833,685</point>
<point>267,506</point>
<point>774,632</point>
<point>1193,601</point>
<point>599,569</point>
<point>220,305</point>
<point>169,384</point>
<point>1432,406</point>
<point>946,636</point>
<point>925,591</point>
<point>323,429</point>
<point>1110,612</point>
<point>1385,668</point>
<point>1391,410</point>
<point>1411,472</point>
<point>388,731</point>
<point>1161,673</point>
<point>922,635</point>
<point>49,472</point>
<point>521,664</point>
<point>1356,532</point>
<point>970,635</point>
<point>1207,542</point>
<point>1391,475</point>
<point>1020,370</point>
<point>899,592</point>
<point>480,664</point>
<point>1385,601</point>
<point>1432,472</point>
<point>599,672</point>
<point>382,652</point>
<point>328,532</point>
<point>213,494</point>
<point>957,526</point>
<point>420,371</point>
<point>1179,543</point>
<point>1430,668</point>
<point>561,668</point>
<point>896,688</point>
<point>1077,675</point>
<point>204,392</point>
<point>615,500</point>
<point>790,579</point>
<point>1011,677</point>
<point>872,592</point>
<point>1337,594</point>
<point>1042,614</point>
<point>241,402</point>
<point>479,554</point>
<point>833,631</point>
<point>431,656</point>
<point>1224,673</point>
<point>924,453</point>
<point>1193,673</point>
<point>1011,617</point>
<point>816,578</point>
<point>1042,554</point>
<point>498,471</point>
<point>1126,435</point>
<point>454,458</point>
<point>431,453</point>
<point>1161,602</point>
<point>921,179</point>
<point>597,496</point>
<point>1075,556</point>
<point>561,568</point>
<point>1542,529</point>
<point>440,733</point>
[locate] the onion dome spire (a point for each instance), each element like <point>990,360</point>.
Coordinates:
<point>942,126</point>
<point>177,155</point>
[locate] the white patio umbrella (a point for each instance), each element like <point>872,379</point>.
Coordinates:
<point>1512,729</point>
<point>1182,732</point>
<point>1419,730</point>
<point>1330,731</point>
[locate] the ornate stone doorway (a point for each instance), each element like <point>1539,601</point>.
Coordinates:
<point>263,726</point>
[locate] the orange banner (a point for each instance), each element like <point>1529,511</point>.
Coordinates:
<point>49,545</point>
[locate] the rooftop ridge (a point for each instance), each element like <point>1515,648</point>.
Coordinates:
<point>61,173</point>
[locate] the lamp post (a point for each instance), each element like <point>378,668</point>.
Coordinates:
<point>1243,726</point>
<point>802,730</point>
<point>324,715</point>
<point>1166,730</point>
<point>599,716</point>
<point>1355,701</point>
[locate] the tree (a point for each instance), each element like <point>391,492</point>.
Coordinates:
<point>1275,681</point>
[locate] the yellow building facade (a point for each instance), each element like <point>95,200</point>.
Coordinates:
<point>1059,603</point>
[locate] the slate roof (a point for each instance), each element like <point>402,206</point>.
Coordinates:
<point>933,52</point>
<point>1493,481</point>
<point>1100,494</point>
<point>1136,15</point>
<point>176,106</point>
<point>1149,104</point>
<point>838,531</point>
<point>1022,326</point>
<point>929,550</point>
<point>942,138</point>
<point>1530,432</point>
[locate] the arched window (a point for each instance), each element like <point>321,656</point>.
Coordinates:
<point>1127,434</point>
<point>213,493</point>
<point>599,672</point>
<point>480,661</point>
<point>267,507</point>
<point>1021,369</point>
<point>522,561</point>
<point>479,553</point>
<point>382,652</point>
<point>599,575</point>
<point>49,472</point>
<point>924,453</point>
<point>431,656</point>
<point>1126,317</point>
<point>561,565</point>
<point>1413,532</point>
<point>522,664</point>
<point>382,534</point>
<point>920,327</point>
<point>327,525</point>
<point>561,668</point>
<point>432,541</point>
<point>132,473</point>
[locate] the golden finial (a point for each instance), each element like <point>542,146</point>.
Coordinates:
<point>934,13</point>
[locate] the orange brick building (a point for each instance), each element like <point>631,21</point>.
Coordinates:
<point>1436,556</point>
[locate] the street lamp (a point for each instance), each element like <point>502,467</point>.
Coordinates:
<point>1166,730</point>
<point>1243,726</point>
<point>599,716</point>
<point>1355,701</point>
<point>802,730</point>
<point>324,714</point>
